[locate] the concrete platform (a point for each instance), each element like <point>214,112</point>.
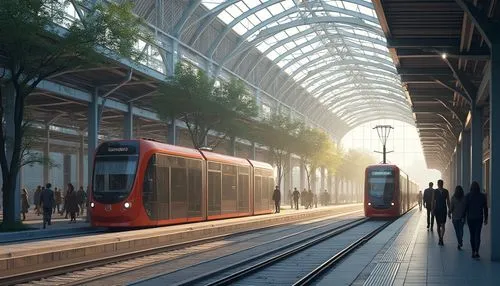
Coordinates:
<point>407,254</point>
<point>29,256</point>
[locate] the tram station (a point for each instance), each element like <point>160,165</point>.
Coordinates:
<point>249,142</point>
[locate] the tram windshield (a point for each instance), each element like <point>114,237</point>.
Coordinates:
<point>113,177</point>
<point>381,188</point>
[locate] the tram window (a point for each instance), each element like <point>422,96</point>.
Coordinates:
<point>163,186</point>
<point>243,192</point>
<point>214,193</point>
<point>213,166</point>
<point>258,193</point>
<point>270,192</point>
<point>195,188</point>
<point>229,190</point>
<point>178,187</point>
<point>149,190</point>
<point>115,174</point>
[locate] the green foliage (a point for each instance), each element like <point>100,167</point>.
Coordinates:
<point>194,98</point>
<point>353,165</point>
<point>281,138</point>
<point>37,42</point>
<point>318,150</point>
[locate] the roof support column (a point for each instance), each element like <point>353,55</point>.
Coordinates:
<point>128,123</point>
<point>458,165</point>
<point>67,170</point>
<point>288,180</point>
<point>477,145</point>
<point>495,151</point>
<point>81,161</point>
<point>232,146</point>
<point>46,154</point>
<point>172,133</point>
<point>452,170</point>
<point>302,175</point>
<point>172,58</point>
<point>323,178</point>
<point>252,153</point>
<point>466,160</point>
<point>92,131</point>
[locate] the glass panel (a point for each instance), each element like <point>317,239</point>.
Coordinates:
<point>229,191</point>
<point>149,200</point>
<point>163,186</point>
<point>214,193</point>
<point>113,178</point>
<point>213,166</point>
<point>258,193</point>
<point>243,193</point>
<point>178,187</point>
<point>270,193</point>
<point>195,188</point>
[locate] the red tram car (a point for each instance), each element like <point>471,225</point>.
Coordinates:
<point>140,183</point>
<point>388,191</point>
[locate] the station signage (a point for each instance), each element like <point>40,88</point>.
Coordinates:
<point>381,173</point>
<point>118,148</point>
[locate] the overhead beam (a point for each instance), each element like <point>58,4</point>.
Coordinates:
<point>423,43</point>
<point>486,28</point>
<point>424,71</point>
<point>478,54</point>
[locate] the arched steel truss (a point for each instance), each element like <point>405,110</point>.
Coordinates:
<point>332,51</point>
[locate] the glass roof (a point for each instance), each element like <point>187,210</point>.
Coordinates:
<point>336,50</point>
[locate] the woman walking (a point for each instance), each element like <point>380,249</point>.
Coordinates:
<point>72,202</point>
<point>24,203</point>
<point>476,210</point>
<point>457,214</point>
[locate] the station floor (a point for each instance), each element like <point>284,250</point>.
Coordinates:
<point>407,254</point>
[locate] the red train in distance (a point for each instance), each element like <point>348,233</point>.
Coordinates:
<point>143,183</point>
<point>388,191</point>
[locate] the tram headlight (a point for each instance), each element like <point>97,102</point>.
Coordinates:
<point>92,205</point>
<point>392,204</point>
<point>369,204</point>
<point>127,205</point>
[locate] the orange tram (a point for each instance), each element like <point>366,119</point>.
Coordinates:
<point>388,191</point>
<point>142,183</point>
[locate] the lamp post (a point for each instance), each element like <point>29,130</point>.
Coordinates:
<point>383,132</point>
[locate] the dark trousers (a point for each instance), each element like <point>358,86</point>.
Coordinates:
<point>475,226</point>
<point>47,215</point>
<point>277,206</point>
<point>430,218</point>
<point>458,224</point>
<point>296,204</point>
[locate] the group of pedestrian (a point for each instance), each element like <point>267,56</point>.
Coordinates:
<point>471,208</point>
<point>48,201</point>
<point>308,199</point>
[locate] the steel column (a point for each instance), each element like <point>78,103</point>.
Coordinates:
<point>128,123</point>
<point>477,145</point>
<point>81,161</point>
<point>66,170</point>
<point>46,154</point>
<point>287,176</point>
<point>458,167</point>
<point>252,154</point>
<point>172,133</point>
<point>93,131</point>
<point>302,176</point>
<point>466,159</point>
<point>495,152</point>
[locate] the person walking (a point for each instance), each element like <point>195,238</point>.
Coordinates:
<point>296,196</point>
<point>428,193</point>
<point>441,204</point>
<point>82,199</point>
<point>36,199</point>
<point>24,203</point>
<point>47,203</point>
<point>58,200</point>
<point>457,214</point>
<point>276,199</point>
<point>72,201</point>
<point>419,200</point>
<point>476,211</point>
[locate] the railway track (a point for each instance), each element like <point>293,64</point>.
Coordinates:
<point>97,269</point>
<point>261,265</point>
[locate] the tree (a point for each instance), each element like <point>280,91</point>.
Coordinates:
<point>194,98</point>
<point>281,138</point>
<point>353,166</point>
<point>317,150</point>
<point>35,44</point>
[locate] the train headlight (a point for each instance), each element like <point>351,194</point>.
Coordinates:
<point>127,205</point>
<point>92,205</point>
<point>392,204</point>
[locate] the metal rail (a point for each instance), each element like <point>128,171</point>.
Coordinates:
<point>301,245</point>
<point>77,266</point>
<point>327,265</point>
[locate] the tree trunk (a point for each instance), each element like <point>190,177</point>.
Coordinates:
<point>9,217</point>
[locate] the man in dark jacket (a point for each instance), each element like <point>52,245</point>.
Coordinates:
<point>296,195</point>
<point>476,211</point>
<point>428,205</point>
<point>47,203</point>
<point>276,199</point>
